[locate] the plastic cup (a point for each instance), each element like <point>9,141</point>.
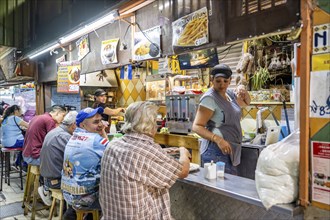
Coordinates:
<point>220,169</point>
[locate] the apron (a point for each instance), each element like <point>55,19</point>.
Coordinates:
<point>230,128</point>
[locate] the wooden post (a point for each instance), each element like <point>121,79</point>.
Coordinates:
<point>305,67</point>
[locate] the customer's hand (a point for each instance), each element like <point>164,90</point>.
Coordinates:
<point>224,146</point>
<point>102,132</point>
<point>185,152</point>
<point>172,150</point>
<point>105,123</point>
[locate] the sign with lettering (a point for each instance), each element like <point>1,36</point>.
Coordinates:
<point>321,62</point>
<point>321,39</point>
<point>68,77</point>
<point>320,94</point>
<point>321,172</point>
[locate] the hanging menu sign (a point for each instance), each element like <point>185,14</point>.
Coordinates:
<point>83,47</point>
<point>146,44</point>
<point>191,30</point>
<point>68,77</point>
<point>109,51</point>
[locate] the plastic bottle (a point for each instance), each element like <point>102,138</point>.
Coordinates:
<point>113,128</point>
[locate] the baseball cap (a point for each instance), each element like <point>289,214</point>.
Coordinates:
<point>222,70</point>
<point>99,92</point>
<point>87,113</point>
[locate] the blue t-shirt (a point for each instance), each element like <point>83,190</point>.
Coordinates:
<point>10,131</point>
<point>82,166</point>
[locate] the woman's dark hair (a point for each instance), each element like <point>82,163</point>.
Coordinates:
<point>10,110</point>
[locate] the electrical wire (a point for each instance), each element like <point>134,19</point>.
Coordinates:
<point>226,49</point>
<point>152,43</point>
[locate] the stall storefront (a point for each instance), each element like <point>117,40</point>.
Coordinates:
<point>167,61</point>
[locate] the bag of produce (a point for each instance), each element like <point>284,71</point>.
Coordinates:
<point>243,63</point>
<point>277,172</point>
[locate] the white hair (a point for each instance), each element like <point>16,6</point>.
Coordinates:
<point>140,117</point>
<point>70,118</point>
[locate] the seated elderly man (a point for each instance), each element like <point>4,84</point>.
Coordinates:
<point>82,160</point>
<point>38,128</point>
<point>52,154</point>
<point>136,173</point>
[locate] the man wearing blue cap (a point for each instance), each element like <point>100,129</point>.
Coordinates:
<point>82,159</point>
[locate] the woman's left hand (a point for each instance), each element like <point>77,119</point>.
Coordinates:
<point>224,146</point>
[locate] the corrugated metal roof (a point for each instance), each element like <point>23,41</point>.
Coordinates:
<point>230,55</point>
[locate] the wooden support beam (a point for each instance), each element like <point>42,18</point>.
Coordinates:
<point>305,67</point>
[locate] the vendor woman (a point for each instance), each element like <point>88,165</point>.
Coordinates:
<point>218,120</point>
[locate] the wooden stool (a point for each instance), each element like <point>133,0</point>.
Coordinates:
<point>6,166</point>
<point>27,182</point>
<point>33,180</point>
<point>57,195</point>
<point>80,213</point>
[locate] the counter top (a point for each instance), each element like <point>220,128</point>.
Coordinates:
<point>239,188</point>
<point>256,146</point>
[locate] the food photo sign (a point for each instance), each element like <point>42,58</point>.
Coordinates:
<point>146,44</point>
<point>109,51</point>
<point>191,30</point>
<point>83,47</point>
<point>321,172</point>
<point>68,77</point>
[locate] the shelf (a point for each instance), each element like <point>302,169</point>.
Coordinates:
<point>271,103</point>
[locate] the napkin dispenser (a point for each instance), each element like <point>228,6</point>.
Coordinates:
<point>210,170</point>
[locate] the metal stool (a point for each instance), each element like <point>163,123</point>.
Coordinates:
<point>80,213</point>
<point>57,195</point>
<point>33,180</point>
<point>6,166</point>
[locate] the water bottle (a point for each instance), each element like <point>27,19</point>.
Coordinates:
<point>113,128</point>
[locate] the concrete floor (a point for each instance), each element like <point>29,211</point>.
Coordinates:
<point>11,203</point>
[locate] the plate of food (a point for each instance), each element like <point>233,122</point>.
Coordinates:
<point>145,50</point>
<point>74,75</point>
<point>193,167</point>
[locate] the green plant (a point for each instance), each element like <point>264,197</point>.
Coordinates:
<point>260,77</point>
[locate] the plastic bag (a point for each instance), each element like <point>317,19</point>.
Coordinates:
<point>277,172</point>
<point>243,63</point>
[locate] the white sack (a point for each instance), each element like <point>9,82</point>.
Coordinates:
<point>278,170</point>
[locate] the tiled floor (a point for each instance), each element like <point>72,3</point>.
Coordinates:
<point>13,194</point>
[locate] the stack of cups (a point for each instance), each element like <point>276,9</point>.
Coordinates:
<point>220,170</point>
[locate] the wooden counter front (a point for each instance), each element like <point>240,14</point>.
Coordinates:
<point>175,140</point>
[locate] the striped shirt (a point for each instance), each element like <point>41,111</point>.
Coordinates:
<point>136,174</point>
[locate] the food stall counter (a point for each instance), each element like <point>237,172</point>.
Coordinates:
<point>235,190</point>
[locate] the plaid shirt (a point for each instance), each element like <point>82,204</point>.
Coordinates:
<point>136,174</point>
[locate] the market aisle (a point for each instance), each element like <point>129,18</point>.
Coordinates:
<point>11,203</point>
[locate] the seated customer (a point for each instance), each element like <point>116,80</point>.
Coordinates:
<point>38,128</point>
<point>136,173</point>
<point>11,132</point>
<point>82,160</point>
<point>52,154</point>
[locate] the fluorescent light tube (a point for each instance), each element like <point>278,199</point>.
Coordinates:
<point>109,18</point>
<point>54,46</point>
